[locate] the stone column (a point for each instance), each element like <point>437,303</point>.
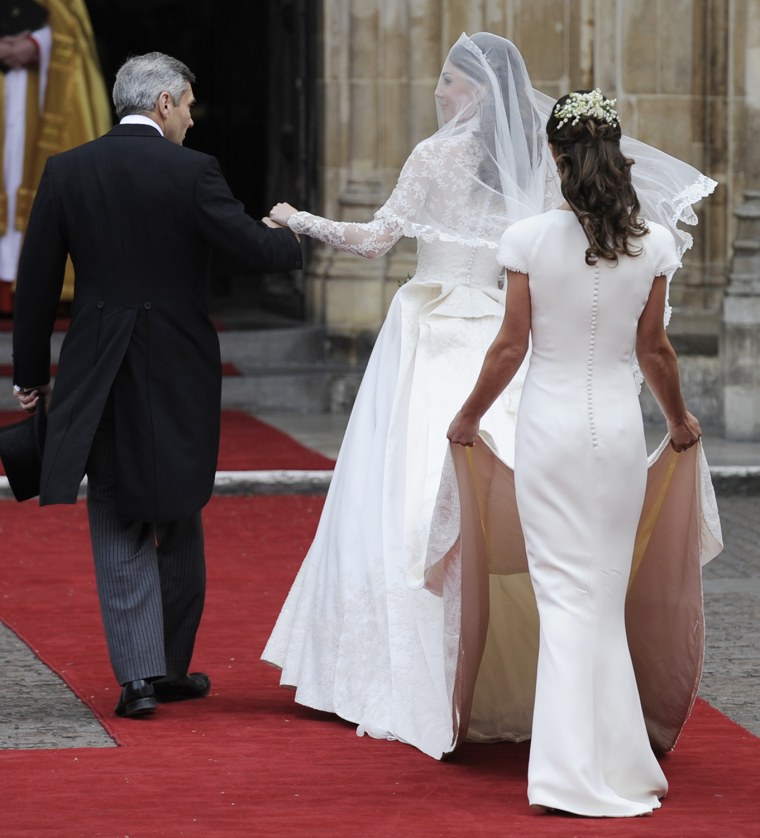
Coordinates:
<point>740,326</point>
<point>350,288</point>
<point>381,62</point>
<point>414,64</point>
<point>740,333</point>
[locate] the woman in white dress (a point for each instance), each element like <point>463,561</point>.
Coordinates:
<point>358,636</point>
<point>587,285</point>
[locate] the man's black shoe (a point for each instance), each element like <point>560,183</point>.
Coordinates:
<point>137,699</point>
<point>194,685</point>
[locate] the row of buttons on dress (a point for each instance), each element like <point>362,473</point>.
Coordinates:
<point>590,360</point>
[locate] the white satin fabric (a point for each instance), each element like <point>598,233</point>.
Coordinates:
<point>358,635</point>
<point>478,557</point>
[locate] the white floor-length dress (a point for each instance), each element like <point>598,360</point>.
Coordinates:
<point>358,635</point>
<point>580,483</point>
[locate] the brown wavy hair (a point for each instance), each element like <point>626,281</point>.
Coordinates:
<point>595,177</point>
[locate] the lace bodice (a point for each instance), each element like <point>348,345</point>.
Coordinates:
<point>433,201</point>
<point>448,263</point>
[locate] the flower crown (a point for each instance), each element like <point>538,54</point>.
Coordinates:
<point>591,105</point>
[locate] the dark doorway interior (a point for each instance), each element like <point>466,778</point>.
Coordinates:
<point>255,68</point>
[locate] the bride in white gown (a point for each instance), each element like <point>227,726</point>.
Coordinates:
<point>587,285</point>
<point>358,635</point>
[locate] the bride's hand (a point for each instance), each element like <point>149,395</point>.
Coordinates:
<point>463,431</point>
<point>280,213</point>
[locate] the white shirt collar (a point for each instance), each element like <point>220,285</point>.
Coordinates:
<point>139,119</point>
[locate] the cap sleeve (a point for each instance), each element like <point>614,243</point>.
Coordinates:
<point>666,259</point>
<point>512,250</point>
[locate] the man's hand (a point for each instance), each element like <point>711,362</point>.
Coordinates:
<point>19,51</point>
<point>28,399</point>
<point>6,48</point>
<point>275,226</point>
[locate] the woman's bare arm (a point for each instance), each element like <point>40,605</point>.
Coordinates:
<point>659,365</point>
<point>502,361</point>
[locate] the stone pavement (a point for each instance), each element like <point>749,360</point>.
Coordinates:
<point>37,710</point>
<point>731,675</point>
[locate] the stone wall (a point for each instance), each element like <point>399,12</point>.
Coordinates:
<point>679,69</point>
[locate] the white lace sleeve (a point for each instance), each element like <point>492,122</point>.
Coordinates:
<point>376,237</point>
<point>369,240</point>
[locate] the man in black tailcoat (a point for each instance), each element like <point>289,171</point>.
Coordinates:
<point>138,390</point>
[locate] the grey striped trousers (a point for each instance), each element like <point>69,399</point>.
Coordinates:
<point>151,578</point>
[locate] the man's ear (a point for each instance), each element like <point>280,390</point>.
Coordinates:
<point>164,103</point>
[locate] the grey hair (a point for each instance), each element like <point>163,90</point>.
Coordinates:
<point>143,78</point>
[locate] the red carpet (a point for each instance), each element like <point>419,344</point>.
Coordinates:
<point>247,761</point>
<point>246,444</point>
<point>249,444</point>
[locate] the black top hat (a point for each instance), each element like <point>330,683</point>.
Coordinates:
<point>21,452</point>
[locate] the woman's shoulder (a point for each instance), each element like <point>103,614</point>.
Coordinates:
<point>531,225</point>
<point>660,246</point>
<point>519,240</point>
<point>438,146</point>
<point>659,239</point>
<point>436,157</point>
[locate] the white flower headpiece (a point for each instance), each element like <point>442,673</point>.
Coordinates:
<point>591,105</point>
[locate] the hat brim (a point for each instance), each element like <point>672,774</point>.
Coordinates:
<point>21,448</point>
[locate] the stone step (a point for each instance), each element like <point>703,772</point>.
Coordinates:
<point>279,368</point>
<point>275,346</point>
<point>314,389</point>
<point>297,344</point>
<point>303,389</point>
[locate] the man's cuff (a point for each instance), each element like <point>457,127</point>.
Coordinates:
<point>37,48</point>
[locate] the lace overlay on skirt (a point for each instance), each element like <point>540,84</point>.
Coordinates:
<point>358,634</point>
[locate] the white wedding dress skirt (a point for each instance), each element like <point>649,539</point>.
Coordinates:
<point>358,634</point>
<point>478,556</point>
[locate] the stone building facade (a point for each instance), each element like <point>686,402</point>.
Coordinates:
<point>686,74</point>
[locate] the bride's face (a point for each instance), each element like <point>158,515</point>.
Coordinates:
<point>453,93</point>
